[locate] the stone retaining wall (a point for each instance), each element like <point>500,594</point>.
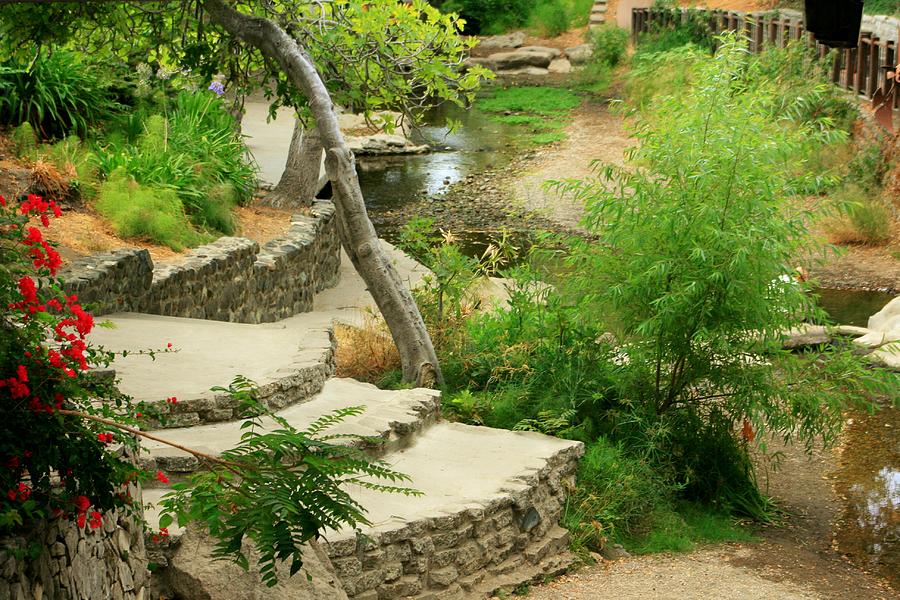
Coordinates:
<point>881,26</point>
<point>107,563</point>
<point>231,279</point>
<point>470,553</point>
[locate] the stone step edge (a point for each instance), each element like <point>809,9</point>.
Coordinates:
<point>299,383</point>
<point>395,435</point>
<point>505,535</point>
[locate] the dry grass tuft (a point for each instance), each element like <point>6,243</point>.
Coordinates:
<point>365,353</point>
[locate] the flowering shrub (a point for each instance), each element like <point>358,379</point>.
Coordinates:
<point>60,458</point>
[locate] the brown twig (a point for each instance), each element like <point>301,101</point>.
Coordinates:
<point>231,466</point>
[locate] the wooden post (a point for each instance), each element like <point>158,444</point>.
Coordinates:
<point>850,68</point>
<point>758,35</point>
<point>773,33</point>
<point>836,67</point>
<point>874,67</point>
<point>861,62</point>
<point>888,62</point>
<point>785,32</point>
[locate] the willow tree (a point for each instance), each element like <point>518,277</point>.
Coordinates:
<point>311,55</point>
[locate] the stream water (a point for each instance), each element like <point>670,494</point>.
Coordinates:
<point>868,474</point>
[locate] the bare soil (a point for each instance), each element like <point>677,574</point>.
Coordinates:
<point>793,561</point>
<point>82,231</point>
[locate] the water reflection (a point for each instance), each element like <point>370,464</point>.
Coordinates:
<point>478,144</point>
<point>852,307</point>
<point>868,478</point>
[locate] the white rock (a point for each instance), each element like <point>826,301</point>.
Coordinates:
<point>888,318</point>
<point>560,65</point>
<point>383,143</point>
<point>553,52</point>
<point>523,71</point>
<point>499,42</point>
<point>194,575</point>
<point>519,59</point>
<point>578,55</point>
<point>888,356</point>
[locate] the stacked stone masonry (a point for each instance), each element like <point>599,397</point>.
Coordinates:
<point>881,26</point>
<point>231,279</point>
<point>298,383</point>
<point>471,553</point>
<point>107,563</point>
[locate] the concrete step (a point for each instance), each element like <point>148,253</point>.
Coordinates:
<point>290,361</point>
<point>597,19</point>
<point>391,421</point>
<point>488,518</point>
<point>598,9</point>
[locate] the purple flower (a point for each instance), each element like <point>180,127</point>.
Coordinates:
<point>217,88</point>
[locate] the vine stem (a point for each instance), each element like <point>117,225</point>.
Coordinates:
<point>231,466</point>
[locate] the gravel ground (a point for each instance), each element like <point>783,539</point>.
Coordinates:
<point>704,574</point>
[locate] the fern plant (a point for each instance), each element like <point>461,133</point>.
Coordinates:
<point>279,487</point>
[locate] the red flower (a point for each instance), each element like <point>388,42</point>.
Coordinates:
<point>2,201</point>
<point>22,373</point>
<point>28,290</point>
<point>21,493</point>
<point>96,520</point>
<point>172,400</point>
<point>169,345</point>
<point>105,438</point>
<point>81,519</point>
<point>82,503</point>
<point>161,477</point>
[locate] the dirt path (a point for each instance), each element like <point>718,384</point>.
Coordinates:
<point>796,561</point>
<point>596,134</point>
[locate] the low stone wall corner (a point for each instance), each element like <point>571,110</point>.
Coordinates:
<point>231,279</point>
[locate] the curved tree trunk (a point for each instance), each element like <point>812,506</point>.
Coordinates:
<point>358,236</point>
<point>299,182</point>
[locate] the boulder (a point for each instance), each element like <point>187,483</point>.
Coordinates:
<point>553,52</point>
<point>888,318</point>
<point>383,143</point>
<point>521,59</point>
<point>884,326</point>
<point>579,55</point>
<point>523,71</point>
<point>502,42</point>
<point>487,63</point>
<point>888,356</point>
<point>560,65</point>
<point>193,574</point>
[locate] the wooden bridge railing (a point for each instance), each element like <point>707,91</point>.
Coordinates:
<point>862,70</point>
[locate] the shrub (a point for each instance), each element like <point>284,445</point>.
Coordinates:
<point>610,43</point>
<point>863,216</point>
<point>661,73</point>
<point>146,211</point>
<point>56,94</point>
<point>488,17</point>
<point>24,140</point>
<point>690,249</point>
<point>616,492</point>
<point>550,18</point>
<point>689,28</point>
<point>196,152</point>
